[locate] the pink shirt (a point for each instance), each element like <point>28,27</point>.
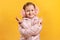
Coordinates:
<point>30,29</point>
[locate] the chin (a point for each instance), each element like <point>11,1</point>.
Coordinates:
<point>31,16</point>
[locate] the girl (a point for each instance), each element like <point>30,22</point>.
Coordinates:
<point>30,26</point>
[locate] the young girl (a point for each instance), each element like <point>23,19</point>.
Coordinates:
<point>30,26</point>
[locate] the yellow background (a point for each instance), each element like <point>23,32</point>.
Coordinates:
<point>49,10</point>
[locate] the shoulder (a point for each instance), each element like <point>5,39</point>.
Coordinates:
<point>39,19</point>
<point>36,18</point>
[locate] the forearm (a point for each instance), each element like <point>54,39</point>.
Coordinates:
<point>36,29</point>
<point>33,30</point>
<point>25,32</point>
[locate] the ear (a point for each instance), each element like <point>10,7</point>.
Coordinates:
<point>36,10</point>
<point>23,13</point>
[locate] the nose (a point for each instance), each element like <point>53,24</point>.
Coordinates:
<point>30,13</point>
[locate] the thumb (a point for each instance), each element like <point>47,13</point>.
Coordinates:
<point>19,21</point>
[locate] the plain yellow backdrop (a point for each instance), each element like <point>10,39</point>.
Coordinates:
<point>49,10</point>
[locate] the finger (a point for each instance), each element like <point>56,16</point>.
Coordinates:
<point>18,20</point>
<point>40,20</point>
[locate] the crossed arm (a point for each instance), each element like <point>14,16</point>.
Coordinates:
<point>33,30</point>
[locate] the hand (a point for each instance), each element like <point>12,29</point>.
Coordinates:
<point>41,20</point>
<point>19,21</point>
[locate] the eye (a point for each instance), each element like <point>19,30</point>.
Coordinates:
<point>32,10</point>
<point>28,10</point>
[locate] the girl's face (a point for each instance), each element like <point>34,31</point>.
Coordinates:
<point>30,11</point>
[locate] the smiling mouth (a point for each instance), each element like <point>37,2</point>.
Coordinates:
<point>31,15</point>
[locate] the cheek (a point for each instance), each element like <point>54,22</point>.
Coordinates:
<point>27,13</point>
<point>34,12</point>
